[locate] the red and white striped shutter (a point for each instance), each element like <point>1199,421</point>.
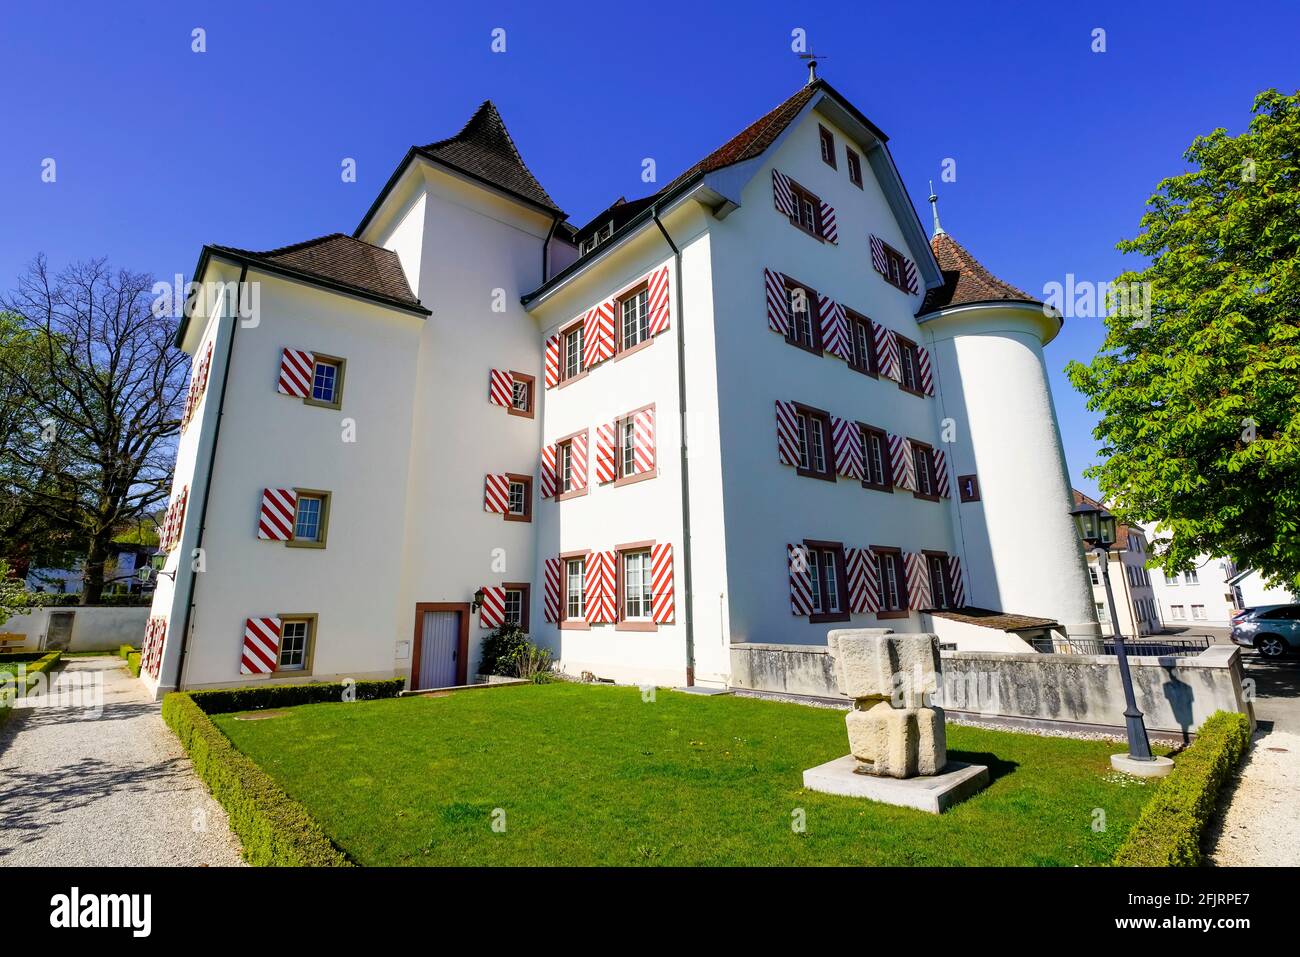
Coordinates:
<point>830,231</point>
<point>787,434</point>
<point>662,603</point>
<point>864,589</point>
<point>591,351</point>
<point>834,326</point>
<point>927,373</point>
<point>847,437</point>
<point>909,276</point>
<point>660,313</point>
<point>796,557</point>
<point>608,316</point>
<point>501,387</point>
<point>579,462</point>
<point>546,471</point>
<point>279,506</point>
<point>901,463</point>
<point>178,522</point>
<point>496,493</point>
<point>203,381</point>
<point>551,606</point>
<point>878,259</point>
<point>887,353</point>
<point>778,304</point>
<point>164,530</point>
<point>492,613</point>
<point>782,193</point>
<point>918,581</point>
<point>941,473</point>
<point>261,646</point>
<point>606,442</point>
<point>296,369</point>
<point>601,596</point>
<point>958,582</point>
<point>552,361</point>
<point>643,430</point>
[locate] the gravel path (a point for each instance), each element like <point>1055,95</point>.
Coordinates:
<point>1260,827</point>
<point>111,789</point>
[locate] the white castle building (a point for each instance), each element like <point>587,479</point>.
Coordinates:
<point>750,407</point>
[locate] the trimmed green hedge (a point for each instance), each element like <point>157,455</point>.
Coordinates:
<point>276,830</point>
<point>133,664</point>
<point>124,651</point>
<point>40,663</point>
<point>257,698</point>
<point>1168,831</point>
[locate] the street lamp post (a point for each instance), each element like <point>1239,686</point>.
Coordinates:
<point>1097,529</point>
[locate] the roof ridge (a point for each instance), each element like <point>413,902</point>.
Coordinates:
<point>292,247</point>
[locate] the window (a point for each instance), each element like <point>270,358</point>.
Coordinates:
<point>630,449</point>
<point>521,396</point>
<point>804,332</point>
<point>310,519</point>
<point>295,643</point>
<point>827,140</point>
<point>519,503</point>
<point>1191,578</point>
<point>564,465</point>
<point>862,346</point>
<point>895,267</point>
<point>1172,580</point>
<point>923,460</point>
<point>635,314</point>
<point>815,457</point>
<point>807,210</point>
<point>1103,615</point>
<point>628,458</point>
<point>855,167</point>
<point>939,588</point>
<point>638,583</point>
<point>1092,574</point>
<point>889,574</point>
<point>875,464</point>
<point>1198,611</point>
<point>827,578</point>
<point>596,238</point>
<point>909,365</point>
<point>572,345</point>
<point>326,382</point>
<point>1177,611</point>
<point>517,604</point>
<point>575,593</point>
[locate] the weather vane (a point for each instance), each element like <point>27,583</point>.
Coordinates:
<point>813,60</point>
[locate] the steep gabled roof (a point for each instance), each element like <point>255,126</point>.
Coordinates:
<point>965,279</point>
<point>483,148</point>
<point>341,261</point>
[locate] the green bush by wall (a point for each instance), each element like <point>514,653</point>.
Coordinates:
<point>133,664</point>
<point>124,650</point>
<point>40,663</point>
<point>276,830</point>
<point>257,698</point>
<point>1168,831</point>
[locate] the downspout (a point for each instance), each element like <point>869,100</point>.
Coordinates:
<point>688,605</point>
<point>546,248</point>
<point>207,482</point>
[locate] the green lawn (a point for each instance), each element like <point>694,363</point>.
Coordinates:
<point>595,775</point>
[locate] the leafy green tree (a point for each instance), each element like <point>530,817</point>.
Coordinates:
<point>1199,394</point>
<point>13,594</point>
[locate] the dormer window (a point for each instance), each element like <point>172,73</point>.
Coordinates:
<point>596,238</point>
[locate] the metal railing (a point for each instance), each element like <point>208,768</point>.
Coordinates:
<point>1147,646</point>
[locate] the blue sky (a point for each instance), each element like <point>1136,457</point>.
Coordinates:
<point>160,149</point>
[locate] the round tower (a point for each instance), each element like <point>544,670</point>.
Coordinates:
<point>1013,524</point>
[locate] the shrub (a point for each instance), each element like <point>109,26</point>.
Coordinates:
<point>133,664</point>
<point>528,662</point>
<point>125,650</point>
<point>1168,831</point>
<point>499,647</point>
<point>276,830</point>
<point>40,662</point>
<point>259,697</point>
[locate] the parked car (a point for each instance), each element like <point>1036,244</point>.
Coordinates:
<point>1272,630</point>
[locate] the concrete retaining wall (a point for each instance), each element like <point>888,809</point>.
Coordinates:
<point>1175,694</point>
<point>94,627</point>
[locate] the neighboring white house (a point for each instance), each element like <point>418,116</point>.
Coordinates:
<point>1135,598</point>
<point>1250,591</point>
<point>755,405</point>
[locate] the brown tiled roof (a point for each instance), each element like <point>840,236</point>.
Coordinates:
<point>343,261</point>
<point>992,619</point>
<point>965,280</point>
<point>755,138</point>
<point>483,148</point>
